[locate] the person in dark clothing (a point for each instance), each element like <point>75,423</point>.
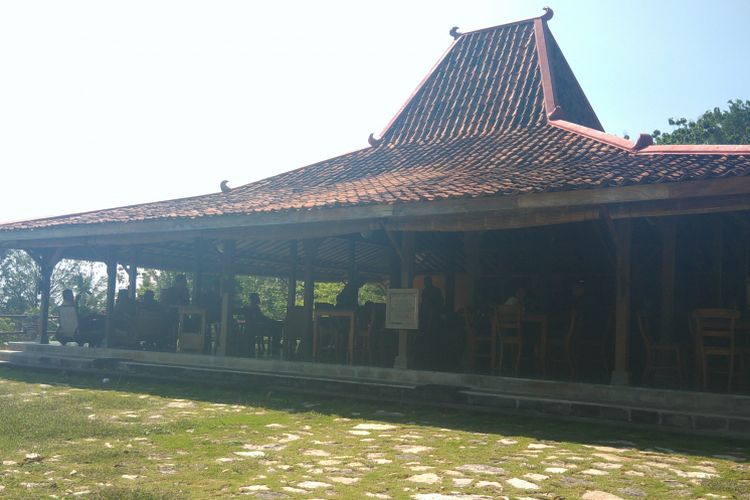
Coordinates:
<point>348,298</point>
<point>259,325</point>
<point>178,294</point>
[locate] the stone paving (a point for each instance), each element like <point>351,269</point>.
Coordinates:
<point>298,448</point>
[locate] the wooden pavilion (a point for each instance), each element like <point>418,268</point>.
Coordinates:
<point>495,171</point>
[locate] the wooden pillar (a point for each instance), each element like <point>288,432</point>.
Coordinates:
<point>311,251</point>
<point>450,281</point>
<point>227,293</point>
<point>291,293</point>
<point>471,253</point>
<point>198,274</point>
<point>133,277</point>
<point>743,269</point>
<point>620,375</point>
<point>407,277</point>
<point>668,241</point>
<point>717,262</point>
<point>46,264</point>
<point>352,259</point>
<point>111,289</point>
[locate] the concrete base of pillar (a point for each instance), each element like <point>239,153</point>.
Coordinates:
<point>620,378</point>
<point>400,363</point>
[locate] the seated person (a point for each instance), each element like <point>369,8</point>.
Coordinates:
<point>177,294</point>
<point>518,298</point>
<point>172,297</point>
<point>348,297</point>
<point>150,322</point>
<point>259,325</point>
<point>81,329</point>
<point>124,334</point>
<point>67,329</point>
<point>149,303</point>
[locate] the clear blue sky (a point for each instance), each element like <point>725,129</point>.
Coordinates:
<point>111,103</point>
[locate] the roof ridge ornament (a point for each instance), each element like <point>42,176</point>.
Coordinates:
<point>455,33</point>
<point>644,140</point>
<point>555,114</point>
<point>374,142</point>
<point>548,13</point>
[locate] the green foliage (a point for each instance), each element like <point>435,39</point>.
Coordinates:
<point>272,291</point>
<point>717,126</point>
<point>157,280</point>
<point>20,278</point>
<point>7,325</point>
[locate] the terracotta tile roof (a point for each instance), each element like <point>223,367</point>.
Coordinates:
<point>501,113</point>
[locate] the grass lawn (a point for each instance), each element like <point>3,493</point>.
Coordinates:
<point>71,435</point>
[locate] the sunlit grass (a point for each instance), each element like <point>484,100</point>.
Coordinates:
<point>139,439</point>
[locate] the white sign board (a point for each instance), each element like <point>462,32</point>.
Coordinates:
<point>402,309</point>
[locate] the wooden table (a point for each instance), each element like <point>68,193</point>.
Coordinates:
<point>191,340</point>
<point>334,313</point>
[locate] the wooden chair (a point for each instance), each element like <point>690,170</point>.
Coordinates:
<point>370,325</point>
<point>715,330</point>
<point>191,329</point>
<point>294,332</point>
<point>150,328</point>
<point>480,344</point>
<point>659,354</point>
<point>562,345</point>
<point>508,331</point>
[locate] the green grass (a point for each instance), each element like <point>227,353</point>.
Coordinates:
<point>142,440</point>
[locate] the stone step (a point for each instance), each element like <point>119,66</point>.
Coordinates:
<point>5,354</point>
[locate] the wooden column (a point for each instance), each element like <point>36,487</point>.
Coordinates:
<point>352,259</point>
<point>407,276</point>
<point>291,293</point>
<point>133,277</point>
<point>620,375</point>
<point>198,274</point>
<point>717,261</point>
<point>450,281</point>
<point>668,241</point>
<point>227,293</point>
<point>311,251</point>
<point>743,268</point>
<point>46,264</point>
<point>111,290</point>
<point>472,241</point>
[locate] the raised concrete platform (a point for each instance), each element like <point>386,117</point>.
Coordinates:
<point>705,413</point>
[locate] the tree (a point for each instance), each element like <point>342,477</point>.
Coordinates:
<point>20,278</point>
<point>717,126</point>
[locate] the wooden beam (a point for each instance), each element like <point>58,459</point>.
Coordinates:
<point>111,290</point>
<point>352,259</point>
<point>395,244</point>
<point>199,252</point>
<point>227,293</point>
<point>407,276</point>
<point>47,262</point>
<point>132,270</point>
<point>504,212</point>
<point>620,375</point>
<point>472,241</point>
<point>667,229</point>
<point>311,250</point>
<point>717,262</point>
<point>291,293</point>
